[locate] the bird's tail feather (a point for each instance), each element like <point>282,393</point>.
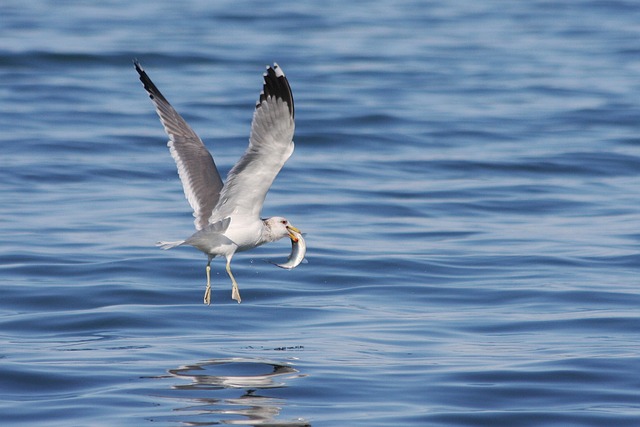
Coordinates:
<point>169,245</point>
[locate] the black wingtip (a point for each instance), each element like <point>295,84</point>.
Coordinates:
<point>151,88</point>
<point>276,85</point>
<point>137,65</point>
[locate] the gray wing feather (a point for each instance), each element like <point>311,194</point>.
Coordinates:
<point>270,145</point>
<point>197,170</point>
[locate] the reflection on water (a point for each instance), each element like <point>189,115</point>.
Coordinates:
<point>234,391</point>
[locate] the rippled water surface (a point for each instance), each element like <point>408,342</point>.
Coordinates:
<point>467,174</point>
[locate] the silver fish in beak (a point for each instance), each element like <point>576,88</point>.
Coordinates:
<point>298,250</point>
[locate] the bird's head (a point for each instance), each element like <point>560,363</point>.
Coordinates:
<point>280,227</point>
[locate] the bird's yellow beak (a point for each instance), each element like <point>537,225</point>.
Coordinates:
<point>292,236</point>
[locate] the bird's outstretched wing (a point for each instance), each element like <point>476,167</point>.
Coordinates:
<point>270,145</point>
<point>200,178</point>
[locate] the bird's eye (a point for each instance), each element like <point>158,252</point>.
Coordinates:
<point>284,222</point>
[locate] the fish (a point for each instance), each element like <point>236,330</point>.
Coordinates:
<point>298,251</point>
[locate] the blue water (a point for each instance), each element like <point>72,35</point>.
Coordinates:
<point>467,174</point>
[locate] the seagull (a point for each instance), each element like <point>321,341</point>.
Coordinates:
<point>227,215</point>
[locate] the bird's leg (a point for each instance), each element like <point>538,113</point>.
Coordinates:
<point>207,291</point>
<point>235,293</point>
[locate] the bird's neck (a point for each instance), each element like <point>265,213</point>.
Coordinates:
<point>267,235</point>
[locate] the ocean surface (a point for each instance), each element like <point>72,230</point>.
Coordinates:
<point>467,175</point>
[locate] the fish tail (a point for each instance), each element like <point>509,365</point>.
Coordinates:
<point>169,245</point>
